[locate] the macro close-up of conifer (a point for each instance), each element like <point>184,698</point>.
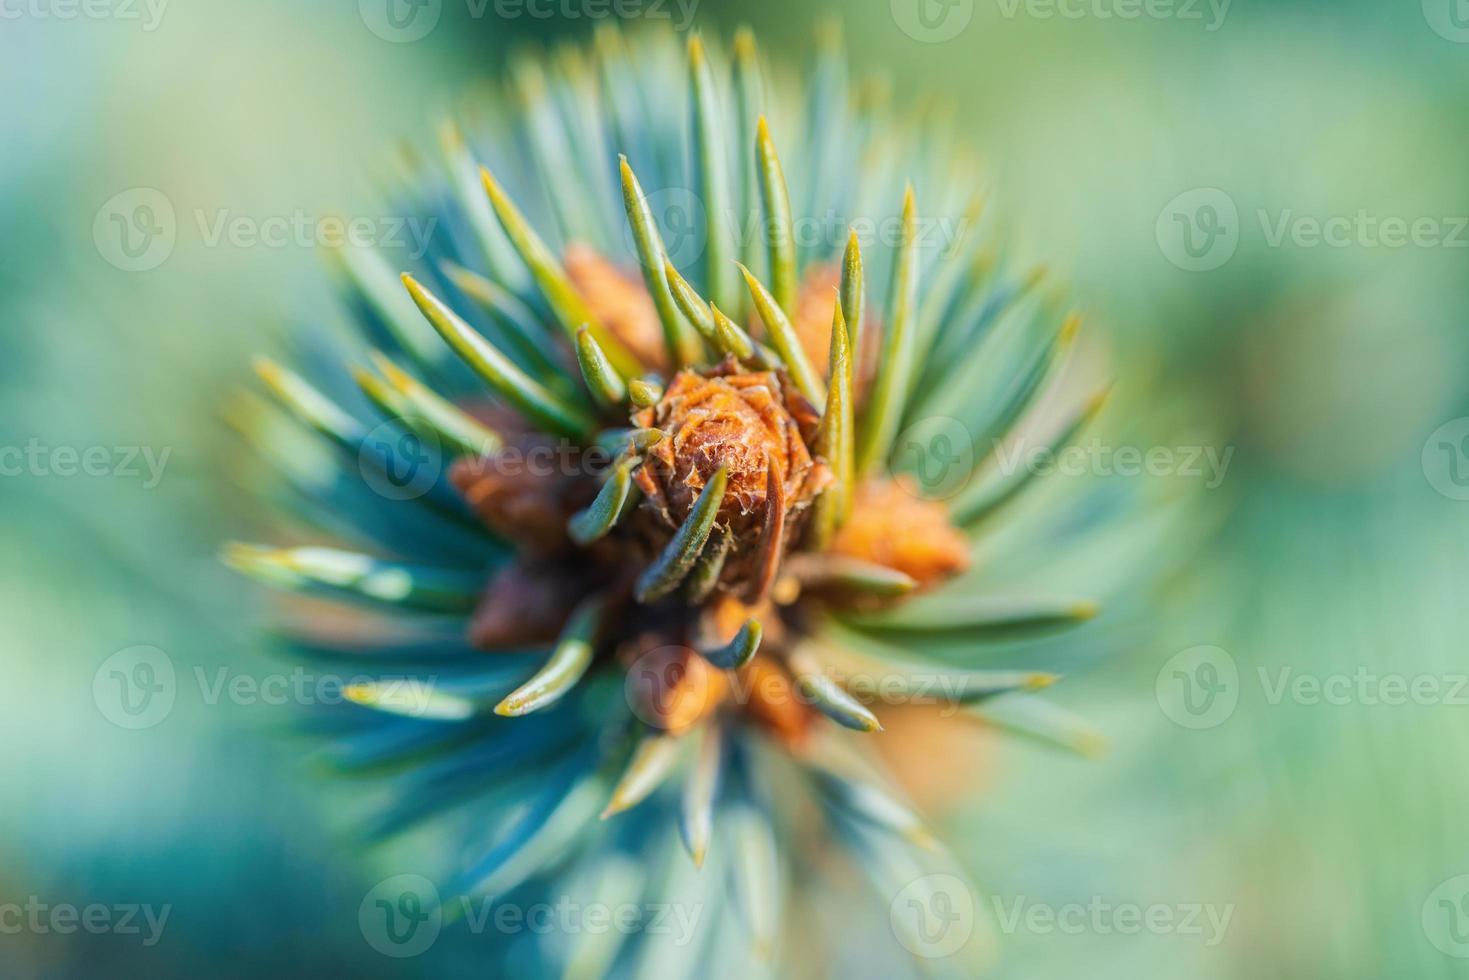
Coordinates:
<point>673,490</point>
<point>649,508</point>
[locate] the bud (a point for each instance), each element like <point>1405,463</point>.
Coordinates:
<point>892,526</point>
<point>619,301</point>
<point>774,703</point>
<point>744,421</point>
<point>674,687</point>
<point>525,603</point>
<point>815,301</point>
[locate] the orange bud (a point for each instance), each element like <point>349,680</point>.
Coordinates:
<point>673,688</point>
<point>773,703</point>
<point>746,422</point>
<point>619,301</point>
<point>891,525</point>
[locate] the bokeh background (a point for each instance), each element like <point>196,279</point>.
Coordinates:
<point>1169,164</point>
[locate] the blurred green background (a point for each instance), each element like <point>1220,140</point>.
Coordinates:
<point>1331,827</point>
